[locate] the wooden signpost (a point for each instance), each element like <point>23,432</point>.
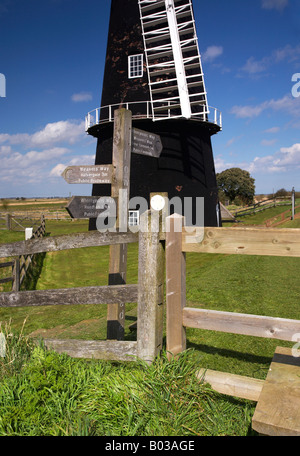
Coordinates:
<point>94,174</point>
<point>126,140</point>
<point>85,207</point>
<point>145,143</point>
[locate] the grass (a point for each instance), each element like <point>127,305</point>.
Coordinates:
<point>49,394</point>
<point>259,218</point>
<point>52,394</point>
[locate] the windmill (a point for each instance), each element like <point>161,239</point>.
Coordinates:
<point>153,68</point>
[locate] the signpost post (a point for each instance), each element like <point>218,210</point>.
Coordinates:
<point>126,140</point>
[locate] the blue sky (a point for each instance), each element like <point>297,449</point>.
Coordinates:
<point>52,54</point>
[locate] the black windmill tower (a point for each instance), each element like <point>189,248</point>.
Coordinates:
<point>153,67</point>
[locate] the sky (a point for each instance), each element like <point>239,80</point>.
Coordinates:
<point>52,55</point>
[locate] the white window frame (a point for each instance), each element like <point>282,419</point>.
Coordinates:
<point>134,62</point>
<point>133,217</point>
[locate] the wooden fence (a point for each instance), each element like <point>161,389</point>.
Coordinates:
<point>264,204</point>
<point>149,294</point>
<point>245,241</point>
<point>18,221</point>
<point>21,264</point>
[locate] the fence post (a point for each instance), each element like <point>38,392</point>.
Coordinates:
<point>121,157</point>
<point>293,203</point>
<point>151,287</point>
<point>175,286</point>
<point>16,275</point>
<point>43,226</point>
<point>8,221</point>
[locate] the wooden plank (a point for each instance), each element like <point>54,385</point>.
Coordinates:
<point>245,241</point>
<point>96,349</point>
<point>71,296</point>
<point>151,289</point>
<point>278,409</point>
<point>65,242</point>
<point>175,286</point>
<point>236,323</point>
<point>232,384</point>
<point>121,158</point>
<point>16,273</point>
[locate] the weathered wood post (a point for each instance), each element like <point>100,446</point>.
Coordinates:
<point>16,275</point>
<point>151,287</point>
<point>175,285</point>
<point>8,221</point>
<point>121,181</point>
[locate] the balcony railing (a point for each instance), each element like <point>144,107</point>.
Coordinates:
<point>143,110</point>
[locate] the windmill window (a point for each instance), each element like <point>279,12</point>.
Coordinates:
<point>134,218</point>
<point>135,66</point>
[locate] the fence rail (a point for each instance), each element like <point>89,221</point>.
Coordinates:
<point>264,204</point>
<point>18,221</point>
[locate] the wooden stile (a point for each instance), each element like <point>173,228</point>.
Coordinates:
<point>232,384</point>
<point>151,288</point>
<point>65,242</point>
<point>108,350</point>
<point>245,241</point>
<point>175,285</point>
<point>278,409</point>
<point>236,323</point>
<point>70,296</point>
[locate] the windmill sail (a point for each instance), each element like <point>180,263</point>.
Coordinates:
<point>173,60</point>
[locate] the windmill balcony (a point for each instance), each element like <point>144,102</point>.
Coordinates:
<point>143,110</point>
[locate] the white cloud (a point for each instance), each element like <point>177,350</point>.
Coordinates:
<point>78,160</point>
<point>285,160</point>
<point>268,142</point>
<point>243,112</point>
<point>275,4</point>
<point>29,159</point>
<point>64,131</point>
<point>211,53</point>
<point>272,130</point>
<point>57,170</point>
<point>82,96</point>
<point>287,104</point>
<point>254,67</point>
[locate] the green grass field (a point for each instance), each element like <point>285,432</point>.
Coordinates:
<point>165,399</point>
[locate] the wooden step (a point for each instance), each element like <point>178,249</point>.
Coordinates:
<point>278,409</point>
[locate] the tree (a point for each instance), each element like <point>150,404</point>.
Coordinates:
<point>236,183</point>
<point>281,192</point>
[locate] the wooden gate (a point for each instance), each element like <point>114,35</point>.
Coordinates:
<point>148,293</point>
